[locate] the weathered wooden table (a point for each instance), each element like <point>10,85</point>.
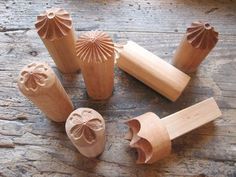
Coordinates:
<point>31,145</point>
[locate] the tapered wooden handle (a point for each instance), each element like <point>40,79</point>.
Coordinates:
<point>191,118</point>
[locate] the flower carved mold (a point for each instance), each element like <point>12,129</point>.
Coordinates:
<point>85,127</point>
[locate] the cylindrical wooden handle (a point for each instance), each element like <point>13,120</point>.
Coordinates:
<point>199,40</point>
<point>96,53</point>
<point>54,27</point>
<point>38,82</point>
<point>85,127</point>
<point>191,118</point>
<point>152,70</point>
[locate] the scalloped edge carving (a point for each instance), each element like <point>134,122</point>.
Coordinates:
<point>202,35</point>
<point>35,76</point>
<point>53,24</point>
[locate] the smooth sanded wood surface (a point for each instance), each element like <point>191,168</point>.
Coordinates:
<point>31,145</point>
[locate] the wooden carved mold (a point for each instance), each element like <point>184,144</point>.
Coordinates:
<point>199,40</point>
<point>54,26</point>
<point>38,83</point>
<point>95,50</point>
<point>152,70</point>
<point>86,129</point>
<point>151,136</point>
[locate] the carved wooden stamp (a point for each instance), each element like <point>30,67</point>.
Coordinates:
<point>199,40</point>
<point>85,127</point>
<point>152,136</point>
<point>38,83</point>
<point>152,70</point>
<point>95,50</point>
<point>54,26</point>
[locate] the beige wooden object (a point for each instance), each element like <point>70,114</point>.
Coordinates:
<point>54,26</point>
<point>152,136</point>
<point>199,40</point>
<point>152,70</point>
<point>85,127</point>
<point>96,53</point>
<point>38,83</point>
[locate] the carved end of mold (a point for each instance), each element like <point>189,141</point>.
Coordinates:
<point>53,23</point>
<point>86,129</point>
<point>35,78</point>
<point>149,137</point>
<point>95,47</point>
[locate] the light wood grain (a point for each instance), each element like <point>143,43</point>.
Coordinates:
<point>39,84</point>
<point>54,27</point>
<point>37,144</point>
<point>95,50</point>
<point>152,70</point>
<point>190,118</point>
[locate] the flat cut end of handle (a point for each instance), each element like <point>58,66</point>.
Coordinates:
<point>191,118</point>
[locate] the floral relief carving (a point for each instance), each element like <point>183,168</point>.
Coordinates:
<point>85,126</point>
<point>34,76</point>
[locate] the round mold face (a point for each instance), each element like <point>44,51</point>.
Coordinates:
<point>36,78</point>
<point>95,47</point>
<point>82,126</point>
<point>202,35</point>
<point>53,24</point>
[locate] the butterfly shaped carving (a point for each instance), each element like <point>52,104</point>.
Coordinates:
<point>34,76</point>
<point>85,126</point>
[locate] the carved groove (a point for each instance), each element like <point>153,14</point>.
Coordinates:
<point>202,35</point>
<point>53,24</point>
<point>85,126</point>
<point>34,76</point>
<point>95,46</point>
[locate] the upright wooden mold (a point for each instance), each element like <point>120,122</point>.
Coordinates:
<point>54,27</point>
<point>86,129</point>
<point>152,70</point>
<point>96,53</point>
<point>152,136</point>
<point>38,83</point>
<point>199,40</point>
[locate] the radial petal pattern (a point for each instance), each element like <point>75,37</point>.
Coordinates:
<point>95,46</point>
<point>53,24</point>
<point>202,35</point>
<point>34,76</point>
<point>85,126</point>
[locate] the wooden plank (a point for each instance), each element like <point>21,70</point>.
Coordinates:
<point>125,15</point>
<point>31,145</point>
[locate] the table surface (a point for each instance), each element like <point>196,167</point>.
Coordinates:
<point>31,145</point>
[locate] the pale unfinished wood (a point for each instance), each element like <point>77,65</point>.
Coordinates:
<point>39,143</point>
<point>186,120</point>
<point>95,50</point>
<point>54,26</point>
<point>38,83</point>
<point>199,40</point>
<point>151,136</point>
<point>152,70</point>
<point>85,127</point>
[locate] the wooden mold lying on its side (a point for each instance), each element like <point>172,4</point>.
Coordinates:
<point>152,136</point>
<point>95,50</point>
<point>85,127</point>
<point>152,70</point>
<point>199,40</point>
<point>54,26</point>
<point>38,82</point>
